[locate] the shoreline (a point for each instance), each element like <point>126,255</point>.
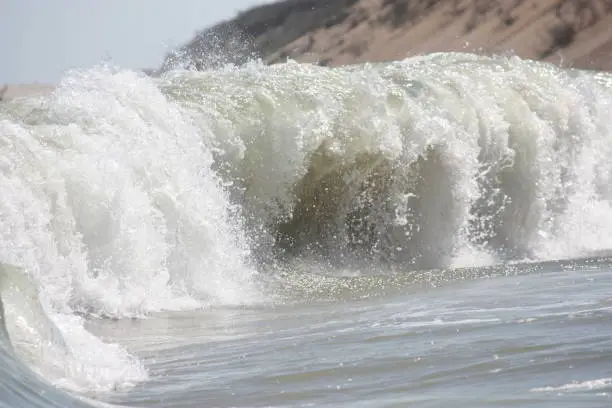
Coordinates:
<point>10,91</point>
<point>13,91</point>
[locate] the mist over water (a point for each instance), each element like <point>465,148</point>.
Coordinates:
<point>124,195</point>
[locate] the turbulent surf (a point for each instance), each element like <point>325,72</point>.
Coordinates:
<point>125,195</point>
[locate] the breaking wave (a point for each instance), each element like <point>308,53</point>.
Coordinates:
<point>125,195</point>
<point>436,161</point>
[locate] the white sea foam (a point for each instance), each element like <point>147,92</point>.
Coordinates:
<point>444,160</point>
<point>599,384</point>
<point>110,205</point>
<point>124,195</point>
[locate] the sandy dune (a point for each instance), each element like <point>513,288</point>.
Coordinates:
<point>575,33</point>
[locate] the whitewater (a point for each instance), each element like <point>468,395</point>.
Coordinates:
<point>424,232</point>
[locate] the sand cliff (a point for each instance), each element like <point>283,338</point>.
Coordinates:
<point>575,33</point>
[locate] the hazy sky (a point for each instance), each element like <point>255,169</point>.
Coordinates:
<point>39,39</point>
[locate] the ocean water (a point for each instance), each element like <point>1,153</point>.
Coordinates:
<point>426,232</point>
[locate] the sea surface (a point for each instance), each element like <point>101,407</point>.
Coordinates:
<point>430,232</point>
